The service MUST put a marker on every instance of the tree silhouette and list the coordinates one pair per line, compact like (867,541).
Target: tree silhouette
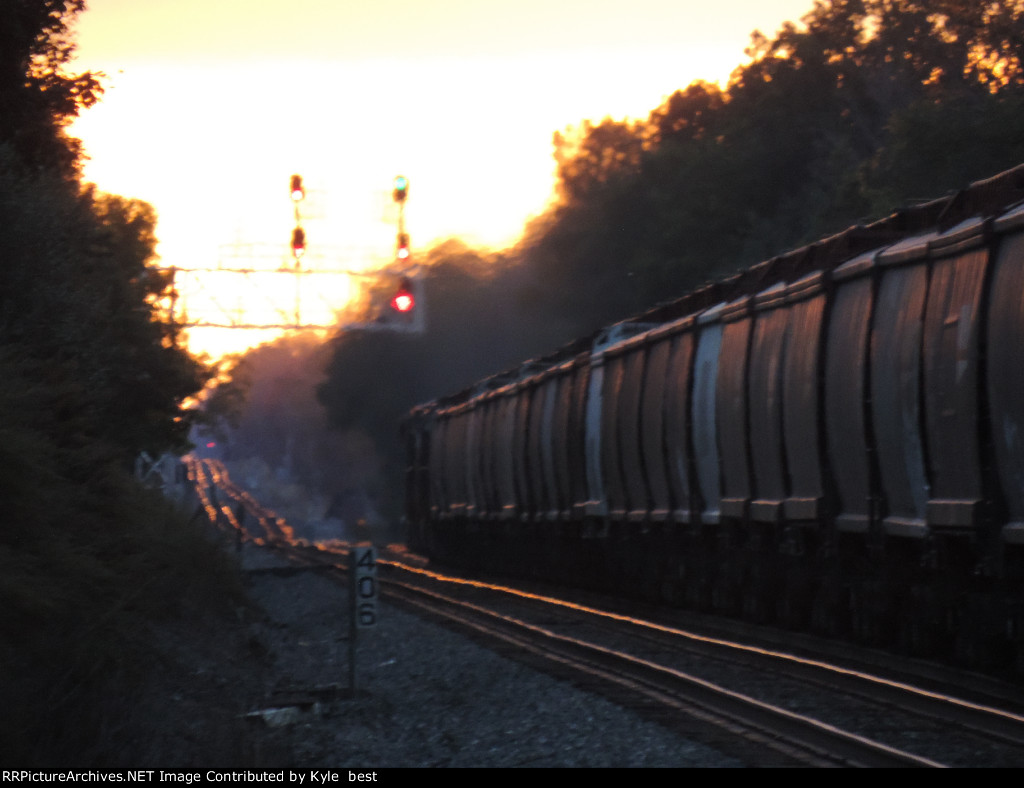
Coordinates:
(38,98)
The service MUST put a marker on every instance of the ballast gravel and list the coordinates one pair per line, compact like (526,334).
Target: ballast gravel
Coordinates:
(426,697)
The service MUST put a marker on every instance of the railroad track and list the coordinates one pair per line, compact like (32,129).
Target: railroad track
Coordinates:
(769,734)
(762,704)
(766,706)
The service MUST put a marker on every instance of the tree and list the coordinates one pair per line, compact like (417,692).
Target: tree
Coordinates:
(89,377)
(592,156)
(934,147)
(77,293)
(814,134)
(686,115)
(38,98)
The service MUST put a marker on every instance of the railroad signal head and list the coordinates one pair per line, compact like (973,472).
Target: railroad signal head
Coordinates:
(298,242)
(402,247)
(401,188)
(403,300)
(297,191)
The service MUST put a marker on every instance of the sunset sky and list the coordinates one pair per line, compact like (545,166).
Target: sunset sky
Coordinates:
(211,106)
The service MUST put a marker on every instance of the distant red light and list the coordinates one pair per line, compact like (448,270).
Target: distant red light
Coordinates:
(403,302)
(210,445)
(298,242)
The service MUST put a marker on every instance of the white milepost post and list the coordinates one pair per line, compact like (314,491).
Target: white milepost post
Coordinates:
(363,600)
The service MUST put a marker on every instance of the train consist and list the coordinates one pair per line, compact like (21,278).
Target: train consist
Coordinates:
(832,440)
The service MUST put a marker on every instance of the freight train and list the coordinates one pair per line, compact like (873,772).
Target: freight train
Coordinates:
(831,440)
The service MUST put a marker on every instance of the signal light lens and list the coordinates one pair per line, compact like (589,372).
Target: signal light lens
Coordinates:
(401,188)
(298,242)
(403,301)
(298,192)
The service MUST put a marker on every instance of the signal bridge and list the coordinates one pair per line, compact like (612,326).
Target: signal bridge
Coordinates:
(254,286)
(250,276)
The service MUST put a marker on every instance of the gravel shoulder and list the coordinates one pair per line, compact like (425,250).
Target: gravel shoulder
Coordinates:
(426,697)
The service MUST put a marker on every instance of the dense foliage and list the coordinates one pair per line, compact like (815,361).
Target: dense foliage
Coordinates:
(864,106)
(38,97)
(89,378)
(76,301)
(77,295)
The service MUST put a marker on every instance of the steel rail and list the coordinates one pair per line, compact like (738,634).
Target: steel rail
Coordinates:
(792,735)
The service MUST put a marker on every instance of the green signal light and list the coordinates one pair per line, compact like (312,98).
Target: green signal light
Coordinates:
(401,188)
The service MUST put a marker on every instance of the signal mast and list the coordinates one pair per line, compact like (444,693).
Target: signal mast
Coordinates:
(407,297)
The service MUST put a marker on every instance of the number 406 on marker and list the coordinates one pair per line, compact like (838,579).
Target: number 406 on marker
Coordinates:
(364,586)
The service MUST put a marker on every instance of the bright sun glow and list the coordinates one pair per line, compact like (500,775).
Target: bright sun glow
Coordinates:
(210,111)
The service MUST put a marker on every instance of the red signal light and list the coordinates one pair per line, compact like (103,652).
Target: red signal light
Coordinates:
(403,300)
(402,248)
(297,191)
(298,242)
